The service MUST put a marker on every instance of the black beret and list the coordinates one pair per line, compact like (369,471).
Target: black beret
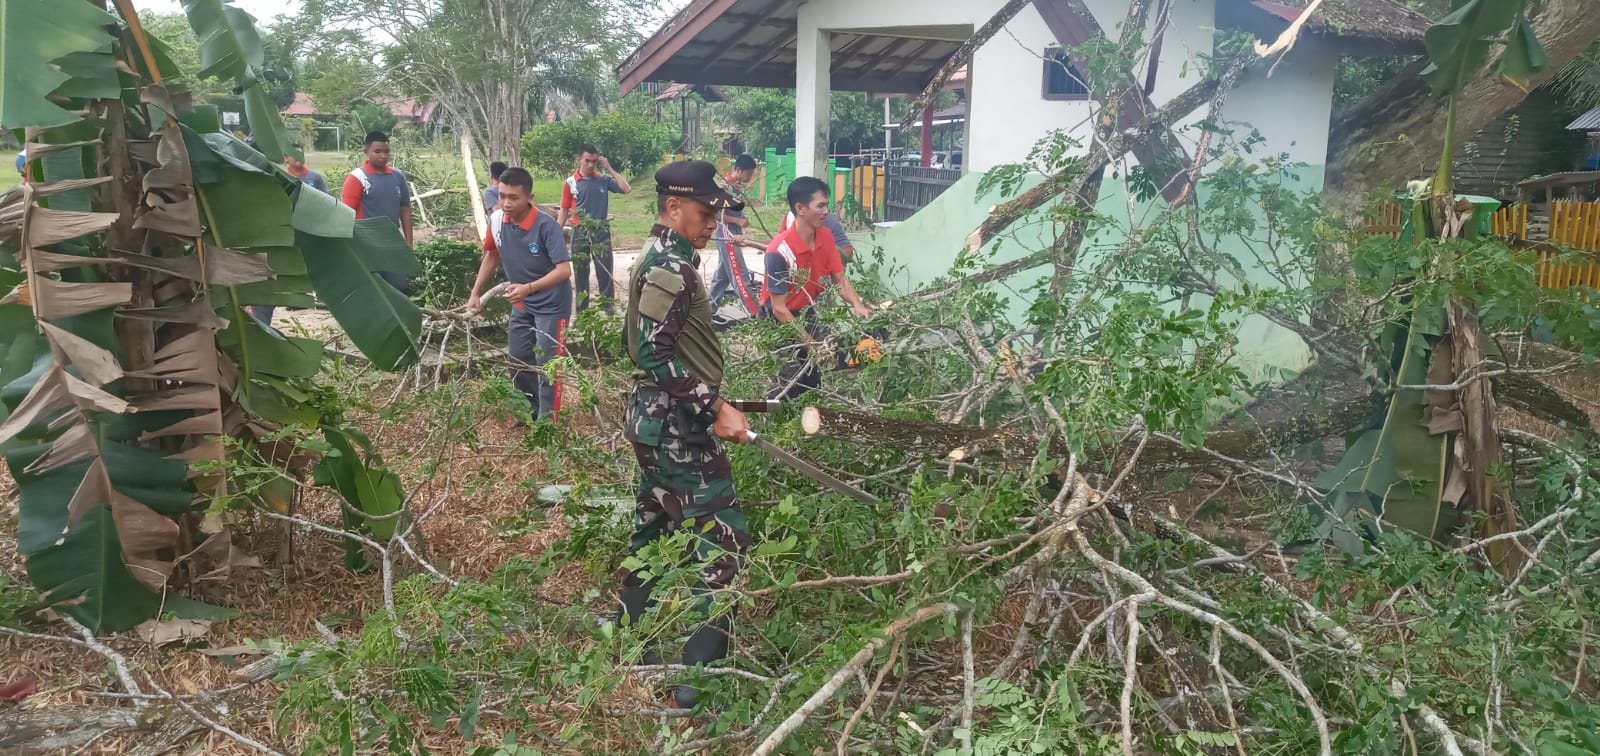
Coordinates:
(695,179)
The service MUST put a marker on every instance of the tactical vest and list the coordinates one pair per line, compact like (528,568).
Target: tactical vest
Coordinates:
(652,291)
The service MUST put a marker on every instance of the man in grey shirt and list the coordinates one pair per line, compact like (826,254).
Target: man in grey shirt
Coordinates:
(491,195)
(375,189)
(586,208)
(531,248)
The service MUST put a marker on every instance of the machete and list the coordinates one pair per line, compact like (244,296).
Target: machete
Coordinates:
(753,405)
(810,471)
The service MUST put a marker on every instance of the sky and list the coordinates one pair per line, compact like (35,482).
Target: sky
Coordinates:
(266,10)
(263,10)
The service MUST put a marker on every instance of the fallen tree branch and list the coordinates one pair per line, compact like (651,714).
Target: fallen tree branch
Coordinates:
(941,439)
(1099,157)
(829,688)
(963,56)
(1135,580)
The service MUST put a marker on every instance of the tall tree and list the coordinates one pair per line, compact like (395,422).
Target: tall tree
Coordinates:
(490,64)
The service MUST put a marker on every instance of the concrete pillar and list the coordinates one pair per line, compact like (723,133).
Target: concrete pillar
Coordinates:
(813,98)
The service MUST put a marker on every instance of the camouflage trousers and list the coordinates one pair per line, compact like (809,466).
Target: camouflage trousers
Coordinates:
(685,481)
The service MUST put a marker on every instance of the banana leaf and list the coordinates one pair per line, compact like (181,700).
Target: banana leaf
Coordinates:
(36,34)
(1459,44)
(352,469)
(380,321)
(86,577)
(1394,473)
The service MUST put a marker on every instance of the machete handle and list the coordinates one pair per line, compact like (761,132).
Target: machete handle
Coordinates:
(753,405)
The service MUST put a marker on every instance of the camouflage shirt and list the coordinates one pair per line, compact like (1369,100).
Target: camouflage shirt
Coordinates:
(668,327)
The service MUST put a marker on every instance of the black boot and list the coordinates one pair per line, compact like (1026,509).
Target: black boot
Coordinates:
(635,602)
(708,644)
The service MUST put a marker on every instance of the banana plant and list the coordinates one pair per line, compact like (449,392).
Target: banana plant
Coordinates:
(1428,465)
(126,352)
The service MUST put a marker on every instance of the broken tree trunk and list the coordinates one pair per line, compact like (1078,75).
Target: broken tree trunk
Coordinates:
(1393,135)
(1152,127)
(962,56)
(964,441)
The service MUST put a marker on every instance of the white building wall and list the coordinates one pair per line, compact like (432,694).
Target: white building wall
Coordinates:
(1007,112)
(1292,108)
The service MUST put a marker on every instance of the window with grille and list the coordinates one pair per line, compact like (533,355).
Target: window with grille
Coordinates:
(1062,80)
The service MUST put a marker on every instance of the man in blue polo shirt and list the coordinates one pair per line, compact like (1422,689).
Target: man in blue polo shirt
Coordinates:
(294,161)
(533,251)
(586,207)
(375,189)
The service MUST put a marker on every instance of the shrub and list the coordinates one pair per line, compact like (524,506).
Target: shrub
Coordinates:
(627,136)
(448,268)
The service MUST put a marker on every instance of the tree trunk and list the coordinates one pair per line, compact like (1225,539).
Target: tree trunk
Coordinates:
(964,441)
(1394,135)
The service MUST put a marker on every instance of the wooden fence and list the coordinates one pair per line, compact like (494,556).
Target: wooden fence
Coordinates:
(1385,220)
(1511,222)
(1573,226)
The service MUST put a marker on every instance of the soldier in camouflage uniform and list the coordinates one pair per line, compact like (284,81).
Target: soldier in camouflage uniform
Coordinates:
(675,415)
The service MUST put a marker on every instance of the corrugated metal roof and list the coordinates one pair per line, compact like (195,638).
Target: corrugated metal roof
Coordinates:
(1589,121)
(1370,19)
(752,42)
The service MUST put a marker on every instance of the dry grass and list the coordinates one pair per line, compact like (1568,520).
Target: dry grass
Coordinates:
(286,602)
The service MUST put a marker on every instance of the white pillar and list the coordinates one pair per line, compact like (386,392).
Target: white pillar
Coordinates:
(812,98)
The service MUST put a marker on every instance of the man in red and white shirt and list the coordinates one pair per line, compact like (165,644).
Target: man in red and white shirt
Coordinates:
(798,263)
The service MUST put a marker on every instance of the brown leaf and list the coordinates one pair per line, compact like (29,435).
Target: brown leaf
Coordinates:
(208,424)
(224,267)
(94,491)
(172,171)
(179,218)
(197,313)
(45,226)
(20,294)
(190,358)
(161,633)
(98,366)
(48,262)
(76,445)
(52,188)
(206,450)
(1442,422)
(37,150)
(89,398)
(55,300)
(145,535)
(47,397)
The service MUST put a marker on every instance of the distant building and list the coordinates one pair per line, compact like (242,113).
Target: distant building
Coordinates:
(407,110)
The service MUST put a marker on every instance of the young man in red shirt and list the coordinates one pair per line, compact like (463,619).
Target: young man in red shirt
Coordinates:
(797,264)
